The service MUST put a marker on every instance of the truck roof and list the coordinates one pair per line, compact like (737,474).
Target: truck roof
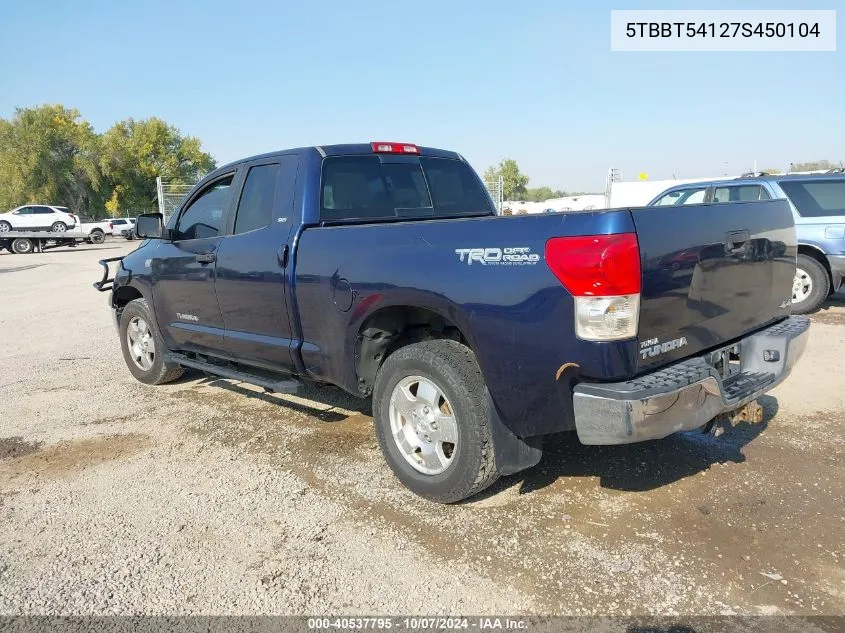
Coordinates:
(344,149)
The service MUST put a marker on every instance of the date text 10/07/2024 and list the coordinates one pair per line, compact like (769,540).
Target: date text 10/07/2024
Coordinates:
(418,623)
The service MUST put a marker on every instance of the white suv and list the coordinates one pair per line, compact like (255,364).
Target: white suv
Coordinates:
(35,217)
(121,225)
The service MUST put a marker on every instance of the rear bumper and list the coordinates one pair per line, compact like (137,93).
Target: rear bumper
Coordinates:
(689,394)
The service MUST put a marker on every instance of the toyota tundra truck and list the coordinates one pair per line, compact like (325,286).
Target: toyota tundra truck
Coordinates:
(383,269)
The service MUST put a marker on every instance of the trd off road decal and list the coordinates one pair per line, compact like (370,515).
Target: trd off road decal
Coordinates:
(493,256)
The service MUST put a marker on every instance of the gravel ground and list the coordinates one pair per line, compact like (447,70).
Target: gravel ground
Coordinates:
(210,497)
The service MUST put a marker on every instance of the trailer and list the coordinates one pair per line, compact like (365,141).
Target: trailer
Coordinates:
(25,242)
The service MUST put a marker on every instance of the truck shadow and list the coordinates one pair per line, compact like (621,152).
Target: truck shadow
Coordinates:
(637,467)
(632,467)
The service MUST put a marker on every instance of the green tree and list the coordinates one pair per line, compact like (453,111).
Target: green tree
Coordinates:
(48,154)
(813,165)
(514,182)
(541,194)
(133,153)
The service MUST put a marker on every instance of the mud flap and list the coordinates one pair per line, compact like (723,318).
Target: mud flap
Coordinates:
(512,453)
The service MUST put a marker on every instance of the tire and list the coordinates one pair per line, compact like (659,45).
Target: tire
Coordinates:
(453,371)
(149,370)
(97,237)
(5,227)
(22,246)
(811,285)
(58,227)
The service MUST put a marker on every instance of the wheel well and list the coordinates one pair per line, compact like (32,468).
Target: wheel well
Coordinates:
(388,329)
(123,295)
(812,251)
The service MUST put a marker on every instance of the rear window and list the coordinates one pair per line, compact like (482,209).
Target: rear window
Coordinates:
(378,187)
(816,198)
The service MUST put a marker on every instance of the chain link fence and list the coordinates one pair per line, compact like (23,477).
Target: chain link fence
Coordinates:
(170,196)
(497,193)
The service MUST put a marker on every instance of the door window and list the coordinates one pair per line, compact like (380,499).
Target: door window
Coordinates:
(43,210)
(255,209)
(25,211)
(740,193)
(683,196)
(201,219)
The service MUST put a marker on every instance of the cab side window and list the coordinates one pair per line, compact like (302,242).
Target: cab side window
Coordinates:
(255,208)
(201,219)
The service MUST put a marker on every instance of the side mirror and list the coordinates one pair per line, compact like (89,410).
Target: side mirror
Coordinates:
(150,226)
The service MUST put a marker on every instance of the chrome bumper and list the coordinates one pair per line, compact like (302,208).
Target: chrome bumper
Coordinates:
(689,394)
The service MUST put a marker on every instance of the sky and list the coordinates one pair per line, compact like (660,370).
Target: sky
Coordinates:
(533,80)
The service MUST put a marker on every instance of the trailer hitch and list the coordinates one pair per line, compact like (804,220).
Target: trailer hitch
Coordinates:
(751,413)
(106,283)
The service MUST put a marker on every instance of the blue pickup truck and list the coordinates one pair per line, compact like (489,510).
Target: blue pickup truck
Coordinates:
(383,269)
(818,207)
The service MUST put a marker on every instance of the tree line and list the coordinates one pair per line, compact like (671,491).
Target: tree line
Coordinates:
(515,183)
(49,154)
(813,165)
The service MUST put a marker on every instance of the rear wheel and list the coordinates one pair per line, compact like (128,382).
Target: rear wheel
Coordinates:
(22,246)
(142,346)
(810,286)
(5,227)
(97,237)
(432,423)
(58,227)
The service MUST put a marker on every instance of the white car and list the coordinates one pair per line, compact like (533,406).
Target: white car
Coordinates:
(121,225)
(37,217)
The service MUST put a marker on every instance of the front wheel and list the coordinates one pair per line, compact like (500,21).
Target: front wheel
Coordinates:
(432,423)
(142,346)
(58,227)
(810,286)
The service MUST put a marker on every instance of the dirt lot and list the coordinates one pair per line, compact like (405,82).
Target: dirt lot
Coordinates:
(207,496)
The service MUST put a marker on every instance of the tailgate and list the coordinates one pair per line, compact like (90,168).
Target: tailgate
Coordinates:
(711,274)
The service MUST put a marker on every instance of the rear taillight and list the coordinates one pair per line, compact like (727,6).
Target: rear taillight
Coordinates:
(602,272)
(394,148)
(111,226)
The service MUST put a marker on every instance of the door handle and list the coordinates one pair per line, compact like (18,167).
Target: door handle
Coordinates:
(283,256)
(206,258)
(737,241)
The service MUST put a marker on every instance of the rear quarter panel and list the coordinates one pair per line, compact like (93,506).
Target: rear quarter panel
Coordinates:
(517,317)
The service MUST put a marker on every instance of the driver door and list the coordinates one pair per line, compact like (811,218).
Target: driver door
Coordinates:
(184,271)
(25,218)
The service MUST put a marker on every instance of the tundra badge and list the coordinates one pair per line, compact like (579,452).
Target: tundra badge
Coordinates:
(653,347)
